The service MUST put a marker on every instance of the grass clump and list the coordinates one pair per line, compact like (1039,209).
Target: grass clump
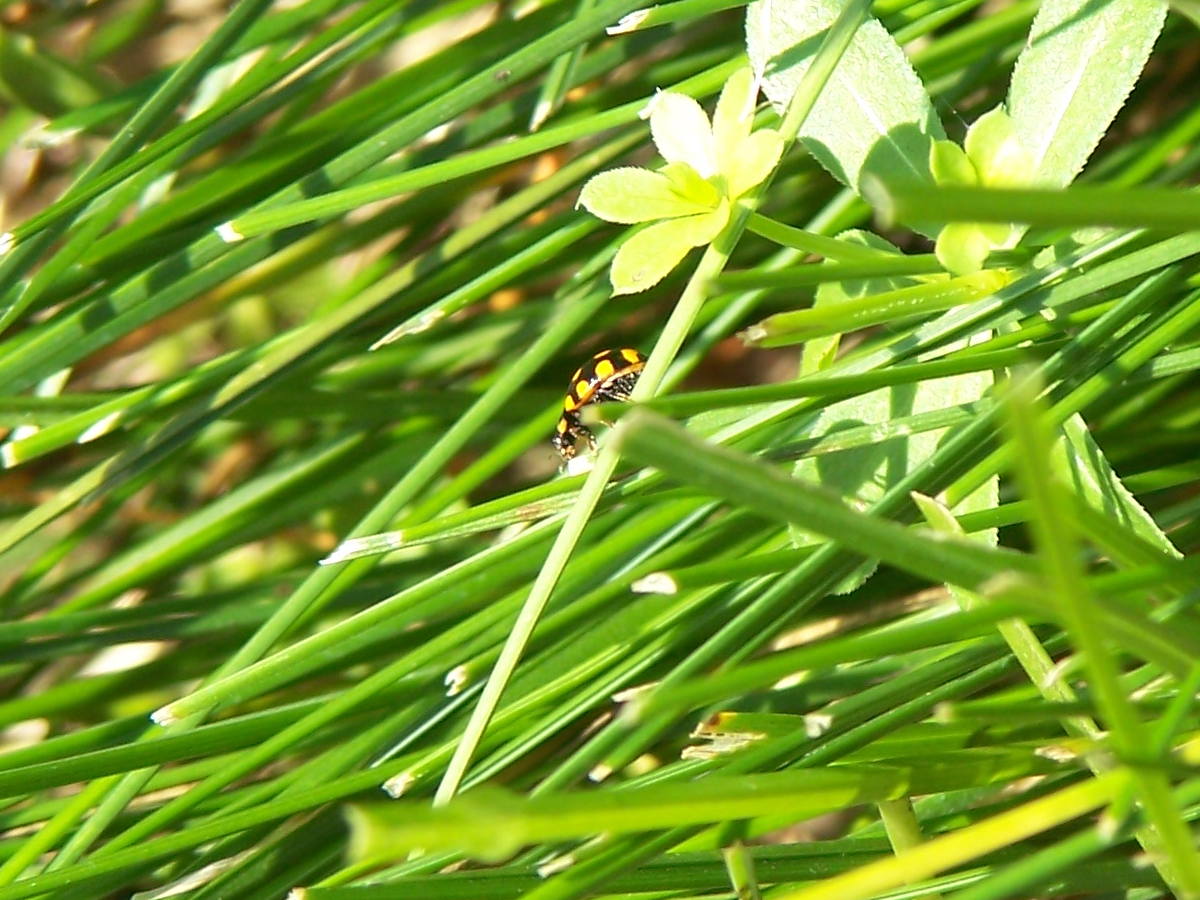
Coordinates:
(884,584)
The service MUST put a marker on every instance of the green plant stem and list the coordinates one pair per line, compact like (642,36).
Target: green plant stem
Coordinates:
(903,830)
(862,312)
(811,242)
(572,529)
(901,825)
(739,863)
(195,706)
(275,218)
(665,349)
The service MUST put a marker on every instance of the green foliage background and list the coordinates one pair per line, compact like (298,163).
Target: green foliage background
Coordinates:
(757,676)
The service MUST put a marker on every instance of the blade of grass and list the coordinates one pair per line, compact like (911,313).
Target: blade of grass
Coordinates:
(1054,535)
(665,349)
(149,117)
(966,844)
(1127,207)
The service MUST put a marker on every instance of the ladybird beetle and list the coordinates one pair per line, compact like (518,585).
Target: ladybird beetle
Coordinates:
(609,375)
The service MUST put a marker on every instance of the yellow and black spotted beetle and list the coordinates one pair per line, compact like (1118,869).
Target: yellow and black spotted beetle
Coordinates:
(609,375)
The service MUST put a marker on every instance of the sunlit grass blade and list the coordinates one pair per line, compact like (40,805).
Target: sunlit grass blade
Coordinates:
(967,843)
(1158,208)
(665,349)
(795,327)
(491,825)
(1055,536)
(654,441)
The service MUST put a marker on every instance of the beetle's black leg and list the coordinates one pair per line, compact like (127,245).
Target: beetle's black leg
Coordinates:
(586,434)
(565,434)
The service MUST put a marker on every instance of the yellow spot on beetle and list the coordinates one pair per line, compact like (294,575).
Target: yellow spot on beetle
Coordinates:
(569,403)
(605,368)
(582,388)
(630,355)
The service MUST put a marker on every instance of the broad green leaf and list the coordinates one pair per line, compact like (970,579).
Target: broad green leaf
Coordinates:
(754,484)
(630,195)
(648,256)
(867,473)
(874,116)
(1078,67)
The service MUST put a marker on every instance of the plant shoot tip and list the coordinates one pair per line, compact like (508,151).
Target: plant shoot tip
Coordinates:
(99,428)
(456,680)
(655,583)
(599,773)
(396,786)
(229,234)
(1058,753)
(816,724)
(579,465)
(752,335)
(541,112)
(555,865)
(628,22)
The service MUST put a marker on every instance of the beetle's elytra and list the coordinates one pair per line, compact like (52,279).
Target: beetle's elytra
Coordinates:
(609,375)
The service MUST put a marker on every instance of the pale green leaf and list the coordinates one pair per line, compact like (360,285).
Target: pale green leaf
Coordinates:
(650,254)
(996,152)
(963,246)
(734,116)
(630,195)
(874,116)
(682,133)
(1081,463)
(756,159)
(1082,60)
(867,473)
(950,165)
